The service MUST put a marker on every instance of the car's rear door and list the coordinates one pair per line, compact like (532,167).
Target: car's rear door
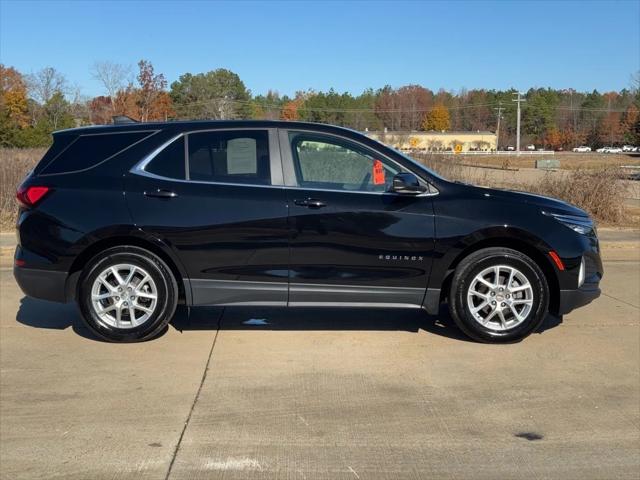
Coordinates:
(351,241)
(216,198)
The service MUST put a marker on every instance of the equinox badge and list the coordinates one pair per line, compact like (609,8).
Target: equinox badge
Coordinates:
(408,258)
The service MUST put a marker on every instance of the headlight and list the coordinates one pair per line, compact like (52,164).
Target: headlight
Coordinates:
(582,225)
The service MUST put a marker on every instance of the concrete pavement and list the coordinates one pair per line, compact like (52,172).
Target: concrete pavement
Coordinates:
(271,393)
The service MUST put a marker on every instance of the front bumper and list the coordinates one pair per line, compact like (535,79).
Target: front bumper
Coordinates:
(572,296)
(572,299)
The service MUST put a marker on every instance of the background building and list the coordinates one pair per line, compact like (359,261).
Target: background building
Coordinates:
(437,141)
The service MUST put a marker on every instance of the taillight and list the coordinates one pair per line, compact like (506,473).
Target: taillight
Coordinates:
(31,195)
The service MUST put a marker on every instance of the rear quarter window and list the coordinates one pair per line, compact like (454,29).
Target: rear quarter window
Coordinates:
(87,151)
(169,162)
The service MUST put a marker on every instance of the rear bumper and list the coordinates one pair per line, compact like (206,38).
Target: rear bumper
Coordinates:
(572,299)
(44,284)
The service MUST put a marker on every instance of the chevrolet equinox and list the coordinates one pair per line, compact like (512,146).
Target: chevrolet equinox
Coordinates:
(129,220)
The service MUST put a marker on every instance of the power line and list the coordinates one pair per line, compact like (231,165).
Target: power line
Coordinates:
(214,102)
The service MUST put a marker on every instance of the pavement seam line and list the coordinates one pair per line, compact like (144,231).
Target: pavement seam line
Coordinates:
(195,400)
(620,300)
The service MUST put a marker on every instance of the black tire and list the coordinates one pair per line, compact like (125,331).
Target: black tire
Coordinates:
(167,293)
(475,263)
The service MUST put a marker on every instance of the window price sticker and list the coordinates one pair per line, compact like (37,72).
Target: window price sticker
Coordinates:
(378,173)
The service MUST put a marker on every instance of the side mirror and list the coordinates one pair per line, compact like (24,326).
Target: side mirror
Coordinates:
(407,184)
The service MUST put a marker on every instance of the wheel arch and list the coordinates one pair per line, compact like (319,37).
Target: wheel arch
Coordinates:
(155,247)
(514,243)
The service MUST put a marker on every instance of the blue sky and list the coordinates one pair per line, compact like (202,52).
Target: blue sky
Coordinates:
(289,46)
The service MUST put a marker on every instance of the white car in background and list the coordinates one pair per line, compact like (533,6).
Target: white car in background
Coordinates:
(531,147)
(582,149)
(629,148)
(609,150)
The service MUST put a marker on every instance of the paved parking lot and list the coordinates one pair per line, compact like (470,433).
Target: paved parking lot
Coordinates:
(246,393)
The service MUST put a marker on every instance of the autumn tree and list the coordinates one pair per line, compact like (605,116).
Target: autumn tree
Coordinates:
(14,114)
(152,104)
(403,108)
(162,108)
(290,110)
(553,138)
(146,100)
(13,96)
(100,110)
(437,119)
(126,103)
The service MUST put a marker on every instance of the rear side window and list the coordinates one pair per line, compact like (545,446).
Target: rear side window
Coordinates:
(170,161)
(90,150)
(239,156)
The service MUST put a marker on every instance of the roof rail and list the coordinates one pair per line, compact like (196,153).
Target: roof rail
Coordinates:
(122,119)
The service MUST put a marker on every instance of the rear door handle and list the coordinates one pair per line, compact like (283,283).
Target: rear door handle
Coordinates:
(161,193)
(310,203)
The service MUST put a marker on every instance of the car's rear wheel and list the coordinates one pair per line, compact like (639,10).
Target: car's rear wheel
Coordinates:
(127,294)
(498,295)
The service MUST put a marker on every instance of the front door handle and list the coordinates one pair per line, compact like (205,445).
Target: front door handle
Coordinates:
(310,203)
(161,193)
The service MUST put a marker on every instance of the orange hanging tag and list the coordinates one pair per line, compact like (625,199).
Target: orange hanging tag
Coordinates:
(378,173)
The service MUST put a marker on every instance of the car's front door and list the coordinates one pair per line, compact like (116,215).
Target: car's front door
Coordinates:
(351,240)
(216,198)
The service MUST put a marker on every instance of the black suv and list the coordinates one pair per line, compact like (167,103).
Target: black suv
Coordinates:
(130,220)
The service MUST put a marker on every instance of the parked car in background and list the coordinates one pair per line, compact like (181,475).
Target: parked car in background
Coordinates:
(531,147)
(510,148)
(609,150)
(627,148)
(582,149)
(130,220)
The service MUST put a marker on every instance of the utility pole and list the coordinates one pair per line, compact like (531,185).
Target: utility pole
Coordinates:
(519,100)
(608,123)
(499,109)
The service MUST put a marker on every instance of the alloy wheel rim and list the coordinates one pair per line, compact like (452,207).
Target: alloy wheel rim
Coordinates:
(124,296)
(500,297)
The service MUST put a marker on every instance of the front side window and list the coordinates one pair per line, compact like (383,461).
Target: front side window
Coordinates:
(331,163)
(230,157)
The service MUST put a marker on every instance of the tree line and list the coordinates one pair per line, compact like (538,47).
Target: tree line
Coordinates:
(34,105)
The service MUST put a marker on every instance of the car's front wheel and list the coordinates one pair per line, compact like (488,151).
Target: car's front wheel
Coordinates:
(127,294)
(498,295)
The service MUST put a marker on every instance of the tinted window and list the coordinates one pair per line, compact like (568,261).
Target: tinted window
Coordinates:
(60,142)
(90,150)
(323,162)
(230,157)
(170,161)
